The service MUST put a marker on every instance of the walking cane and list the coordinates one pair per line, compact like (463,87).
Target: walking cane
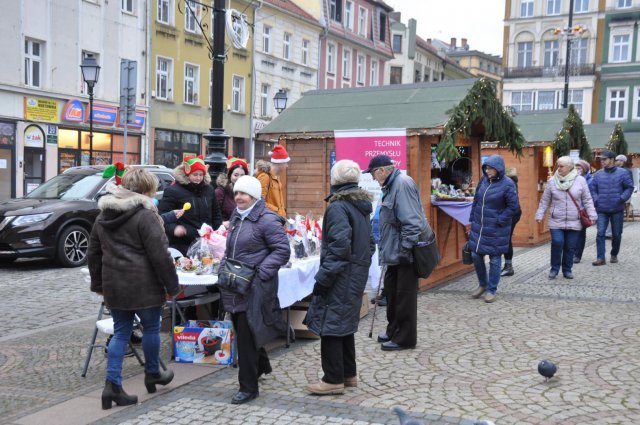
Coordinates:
(375,305)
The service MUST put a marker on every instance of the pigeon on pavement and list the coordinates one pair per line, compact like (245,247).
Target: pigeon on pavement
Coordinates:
(406,419)
(547,369)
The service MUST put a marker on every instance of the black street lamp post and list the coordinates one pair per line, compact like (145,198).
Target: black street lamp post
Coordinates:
(90,73)
(565,99)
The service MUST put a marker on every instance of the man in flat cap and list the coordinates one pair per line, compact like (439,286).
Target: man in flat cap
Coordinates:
(402,224)
(611,188)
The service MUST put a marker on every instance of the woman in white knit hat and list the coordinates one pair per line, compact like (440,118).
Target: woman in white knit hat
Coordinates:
(256,237)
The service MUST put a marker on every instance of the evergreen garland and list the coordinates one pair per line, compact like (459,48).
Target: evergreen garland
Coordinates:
(617,143)
(480,106)
(572,136)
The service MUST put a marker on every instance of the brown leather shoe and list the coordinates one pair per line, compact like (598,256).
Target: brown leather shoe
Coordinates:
(614,259)
(351,381)
(599,262)
(478,292)
(324,388)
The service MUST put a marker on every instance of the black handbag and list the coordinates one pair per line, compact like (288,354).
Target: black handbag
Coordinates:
(425,257)
(466,254)
(236,276)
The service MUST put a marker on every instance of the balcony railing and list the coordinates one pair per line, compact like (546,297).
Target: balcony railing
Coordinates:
(550,71)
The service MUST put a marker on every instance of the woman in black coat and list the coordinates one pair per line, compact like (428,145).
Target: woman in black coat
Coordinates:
(347,247)
(256,237)
(193,185)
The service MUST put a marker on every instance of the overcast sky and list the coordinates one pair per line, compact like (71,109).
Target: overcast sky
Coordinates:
(479,21)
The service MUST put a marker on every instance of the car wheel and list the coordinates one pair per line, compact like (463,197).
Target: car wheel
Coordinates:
(73,245)
(6,261)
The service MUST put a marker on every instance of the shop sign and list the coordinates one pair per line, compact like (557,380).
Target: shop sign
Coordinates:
(138,123)
(52,134)
(34,137)
(259,125)
(104,114)
(73,111)
(36,109)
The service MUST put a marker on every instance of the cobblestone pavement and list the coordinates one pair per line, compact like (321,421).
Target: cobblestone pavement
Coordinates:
(473,360)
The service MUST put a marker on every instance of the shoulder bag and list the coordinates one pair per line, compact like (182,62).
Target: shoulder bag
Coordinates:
(236,275)
(584,215)
(425,257)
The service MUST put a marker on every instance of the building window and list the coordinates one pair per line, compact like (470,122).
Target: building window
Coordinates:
(305,52)
(360,69)
(553,7)
(362,21)
(525,54)
(191,84)
(335,10)
(237,94)
(550,53)
(616,109)
(575,99)
(526,8)
(172,146)
(581,6)
(522,100)
(33,63)
(546,100)
(264,100)
(395,75)
(191,13)
(266,39)
(165,11)
(164,79)
(346,64)
(374,72)
(383,27)
(397,43)
(636,104)
(620,44)
(127,6)
(579,51)
(623,4)
(348,14)
(331,58)
(286,46)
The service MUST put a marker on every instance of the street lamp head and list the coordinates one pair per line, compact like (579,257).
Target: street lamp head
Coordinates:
(280,100)
(90,70)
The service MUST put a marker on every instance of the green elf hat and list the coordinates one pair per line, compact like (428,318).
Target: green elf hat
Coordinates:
(194,163)
(117,170)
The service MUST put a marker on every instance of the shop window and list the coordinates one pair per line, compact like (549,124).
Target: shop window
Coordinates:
(67,139)
(395,75)
(172,146)
(453,175)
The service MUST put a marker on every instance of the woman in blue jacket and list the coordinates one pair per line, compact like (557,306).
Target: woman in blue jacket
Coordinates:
(494,205)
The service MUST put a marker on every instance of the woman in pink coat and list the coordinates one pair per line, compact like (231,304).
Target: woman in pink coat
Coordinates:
(564,215)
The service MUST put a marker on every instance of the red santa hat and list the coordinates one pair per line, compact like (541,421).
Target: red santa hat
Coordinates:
(279,155)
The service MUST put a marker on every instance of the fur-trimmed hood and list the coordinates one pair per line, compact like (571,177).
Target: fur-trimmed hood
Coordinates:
(264,166)
(120,204)
(183,179)
(222,180)
(353,194)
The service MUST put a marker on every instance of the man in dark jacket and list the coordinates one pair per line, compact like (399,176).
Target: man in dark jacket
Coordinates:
(402,225)
(610,188)
(334,312)
(494,206)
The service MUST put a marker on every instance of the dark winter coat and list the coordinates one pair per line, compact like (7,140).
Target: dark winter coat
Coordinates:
(224,196)
(204,208)
(610,189)
(345,258)
(259,240)
(128,253)
(402,219)
(494,205)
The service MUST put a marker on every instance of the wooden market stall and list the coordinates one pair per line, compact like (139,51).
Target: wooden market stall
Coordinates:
(443,121)
(539,129)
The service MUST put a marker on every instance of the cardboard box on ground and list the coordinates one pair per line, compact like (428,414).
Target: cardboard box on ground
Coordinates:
(204,341)
(299,311)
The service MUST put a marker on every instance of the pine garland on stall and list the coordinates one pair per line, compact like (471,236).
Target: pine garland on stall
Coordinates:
(480,106)
(572,136)
(617,143)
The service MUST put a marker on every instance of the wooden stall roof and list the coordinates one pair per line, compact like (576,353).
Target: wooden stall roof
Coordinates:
(410,106)
(598,136)
(540,126)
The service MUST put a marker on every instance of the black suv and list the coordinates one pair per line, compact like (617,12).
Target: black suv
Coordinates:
(55,220)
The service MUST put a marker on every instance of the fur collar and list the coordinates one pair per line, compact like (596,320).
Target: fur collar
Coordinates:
(351,195)
(121,199)
(183,179)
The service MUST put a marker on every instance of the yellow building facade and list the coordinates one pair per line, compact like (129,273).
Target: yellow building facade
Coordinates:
(181,81)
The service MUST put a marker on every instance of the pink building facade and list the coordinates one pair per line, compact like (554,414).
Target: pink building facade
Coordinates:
(357,43)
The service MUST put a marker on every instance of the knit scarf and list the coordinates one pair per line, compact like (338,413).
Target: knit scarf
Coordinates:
(564,183)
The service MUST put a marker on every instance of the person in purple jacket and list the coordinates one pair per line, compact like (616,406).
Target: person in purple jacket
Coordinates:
(236,168)
(564,214)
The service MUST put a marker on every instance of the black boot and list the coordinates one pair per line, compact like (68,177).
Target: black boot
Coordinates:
(507,270)
(115,393)
(153,379)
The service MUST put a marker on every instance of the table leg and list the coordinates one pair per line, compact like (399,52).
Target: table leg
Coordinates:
(288,326)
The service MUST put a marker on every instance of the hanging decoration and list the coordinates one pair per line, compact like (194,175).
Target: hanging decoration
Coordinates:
(481,106)
(572,136)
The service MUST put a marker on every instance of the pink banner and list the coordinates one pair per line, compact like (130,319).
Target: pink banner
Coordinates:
(362,145)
